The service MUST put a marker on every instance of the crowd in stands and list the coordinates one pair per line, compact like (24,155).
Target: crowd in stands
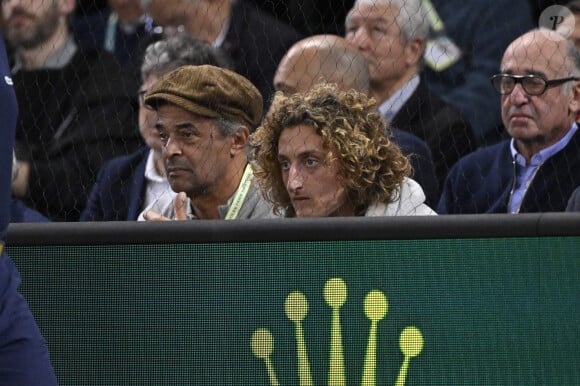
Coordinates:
(95,143)
(158,110)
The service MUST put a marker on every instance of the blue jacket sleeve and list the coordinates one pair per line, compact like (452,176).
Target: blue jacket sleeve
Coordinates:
(24,358)
(8,115)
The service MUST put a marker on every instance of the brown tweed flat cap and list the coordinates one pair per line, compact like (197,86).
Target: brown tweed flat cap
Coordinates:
(209,91)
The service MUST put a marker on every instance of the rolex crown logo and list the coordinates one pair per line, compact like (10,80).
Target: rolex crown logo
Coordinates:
(335,295)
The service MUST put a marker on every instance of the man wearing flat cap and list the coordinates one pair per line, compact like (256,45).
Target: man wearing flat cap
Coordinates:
(204,117)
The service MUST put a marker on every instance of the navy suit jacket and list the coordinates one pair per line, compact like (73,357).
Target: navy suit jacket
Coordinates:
(442,126)
(19,212)
(482,181)
(421,161)
(119,189)
(24,357)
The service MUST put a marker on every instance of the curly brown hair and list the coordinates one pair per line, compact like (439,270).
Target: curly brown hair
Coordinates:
(371,165)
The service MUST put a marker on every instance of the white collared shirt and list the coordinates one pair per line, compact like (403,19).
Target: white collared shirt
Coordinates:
(525,172)
(391,106)
(157,185)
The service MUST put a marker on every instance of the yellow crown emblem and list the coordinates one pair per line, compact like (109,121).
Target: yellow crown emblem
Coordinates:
(335,294)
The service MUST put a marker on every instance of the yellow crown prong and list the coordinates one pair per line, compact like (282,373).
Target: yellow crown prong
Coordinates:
(296,306)
(262,343)
(335,292)
(375,305)
(411,344)
(411,341)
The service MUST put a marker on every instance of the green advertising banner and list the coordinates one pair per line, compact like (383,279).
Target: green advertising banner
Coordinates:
(490,311)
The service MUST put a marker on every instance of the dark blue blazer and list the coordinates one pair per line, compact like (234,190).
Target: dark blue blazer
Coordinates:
(24,358)
(481,182)
(442,126)
(20,212)
(119,189)
(421,161)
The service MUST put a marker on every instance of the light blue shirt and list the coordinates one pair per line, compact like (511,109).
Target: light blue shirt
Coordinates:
(391,106)
(525,172)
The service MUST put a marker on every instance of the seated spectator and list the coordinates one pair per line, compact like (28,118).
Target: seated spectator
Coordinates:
(254,39)
(128,184)
(465,49)
(24,356)
(204,118)
(75,112)
(391,34)
(539,167)
(325,154)
(332,59)
(19,212)
(121,28)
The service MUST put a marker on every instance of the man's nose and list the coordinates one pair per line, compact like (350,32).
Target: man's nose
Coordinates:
(172,147)
(518,95)
(360,38)
(295,180)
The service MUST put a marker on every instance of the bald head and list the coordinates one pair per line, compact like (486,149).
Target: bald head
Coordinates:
(322,58)
(543,51)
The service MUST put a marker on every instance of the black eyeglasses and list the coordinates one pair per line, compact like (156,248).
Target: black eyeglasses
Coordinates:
(532,84)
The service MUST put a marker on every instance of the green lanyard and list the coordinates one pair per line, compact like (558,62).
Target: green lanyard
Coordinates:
(241,194)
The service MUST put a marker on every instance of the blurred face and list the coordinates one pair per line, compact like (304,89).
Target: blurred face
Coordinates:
(313,182)
(298,71)
(374,31)
(148,117)
(169,13)
(196,155)
(129,11)
(30,23)
(538,121)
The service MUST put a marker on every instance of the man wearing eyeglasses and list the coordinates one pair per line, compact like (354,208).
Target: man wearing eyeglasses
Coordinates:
(539,167)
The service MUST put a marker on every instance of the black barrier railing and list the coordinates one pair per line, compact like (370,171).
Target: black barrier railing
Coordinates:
(321,229)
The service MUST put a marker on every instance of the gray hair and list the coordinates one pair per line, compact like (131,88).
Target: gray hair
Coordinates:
(179,50)
(573,57)
(228,127)
(412,17)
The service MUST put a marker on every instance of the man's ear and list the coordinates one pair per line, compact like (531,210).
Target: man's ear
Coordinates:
(575,101)
(240,141)
(414,51)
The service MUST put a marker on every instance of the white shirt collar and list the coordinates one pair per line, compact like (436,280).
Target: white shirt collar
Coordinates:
(391,106)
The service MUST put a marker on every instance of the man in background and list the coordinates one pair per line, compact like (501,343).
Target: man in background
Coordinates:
(325,153)
(392,34)
(204,117)
(539,167)
(330,58)
(252,38)
(75,109)
(128,184)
